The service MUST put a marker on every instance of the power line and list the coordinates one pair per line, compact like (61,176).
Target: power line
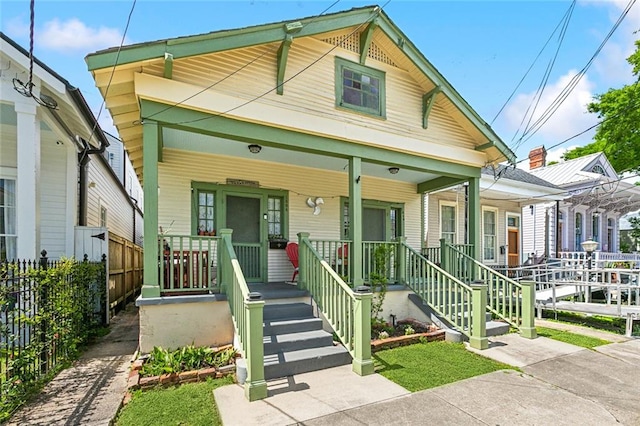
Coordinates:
(374,14)
(113,70)
(236,71)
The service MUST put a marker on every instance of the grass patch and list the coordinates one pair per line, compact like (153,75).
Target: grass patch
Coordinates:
(572,338)
(424,366)
(613,325)
(190,404)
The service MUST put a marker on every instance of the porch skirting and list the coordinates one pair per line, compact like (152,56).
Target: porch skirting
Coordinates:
(177,321)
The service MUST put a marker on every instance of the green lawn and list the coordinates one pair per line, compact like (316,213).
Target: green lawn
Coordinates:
(190,404)
(572,338)
(424,366)
(613,325)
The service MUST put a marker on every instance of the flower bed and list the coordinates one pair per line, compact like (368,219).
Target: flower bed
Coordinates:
(405,332)
(185,365)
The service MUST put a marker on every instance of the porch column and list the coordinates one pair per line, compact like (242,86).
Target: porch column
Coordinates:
(28,158)
(474,217)
(355,220)
(151,285)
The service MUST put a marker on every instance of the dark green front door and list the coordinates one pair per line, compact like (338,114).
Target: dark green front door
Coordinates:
(244,216)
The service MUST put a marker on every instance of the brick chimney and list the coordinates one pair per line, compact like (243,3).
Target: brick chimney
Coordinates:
(537,158)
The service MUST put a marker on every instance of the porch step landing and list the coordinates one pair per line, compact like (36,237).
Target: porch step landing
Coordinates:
(295,343)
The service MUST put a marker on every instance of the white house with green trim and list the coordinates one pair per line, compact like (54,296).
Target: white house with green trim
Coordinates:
(324,131)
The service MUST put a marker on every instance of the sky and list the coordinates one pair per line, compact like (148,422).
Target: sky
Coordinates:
(483,48)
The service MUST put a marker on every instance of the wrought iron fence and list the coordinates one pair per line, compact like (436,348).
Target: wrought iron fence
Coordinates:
(48,309)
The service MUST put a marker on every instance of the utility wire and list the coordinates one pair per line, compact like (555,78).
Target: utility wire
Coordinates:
(375,13)
(236,71)
(530,67)
(113,70)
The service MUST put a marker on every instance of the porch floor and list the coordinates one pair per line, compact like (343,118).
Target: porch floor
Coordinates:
(277,290)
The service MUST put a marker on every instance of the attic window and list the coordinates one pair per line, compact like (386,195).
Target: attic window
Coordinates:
(598,169)
(360,88)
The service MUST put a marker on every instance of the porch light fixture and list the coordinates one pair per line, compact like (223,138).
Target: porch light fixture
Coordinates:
(394,170)
(255,148)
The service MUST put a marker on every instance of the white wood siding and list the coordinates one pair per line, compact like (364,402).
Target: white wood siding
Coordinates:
(313,88)
(180,168)
(107,192)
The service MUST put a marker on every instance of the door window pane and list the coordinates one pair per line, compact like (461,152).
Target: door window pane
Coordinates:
(448,223)
(489,234)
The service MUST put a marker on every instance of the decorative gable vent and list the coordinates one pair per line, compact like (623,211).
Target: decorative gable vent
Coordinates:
(351,42)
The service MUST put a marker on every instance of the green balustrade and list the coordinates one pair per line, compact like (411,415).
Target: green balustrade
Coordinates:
(347,311)
(189,264)
(247,313)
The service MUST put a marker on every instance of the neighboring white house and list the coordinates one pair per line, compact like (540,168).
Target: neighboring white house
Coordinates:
(55,177)
(504,193)
(596,200)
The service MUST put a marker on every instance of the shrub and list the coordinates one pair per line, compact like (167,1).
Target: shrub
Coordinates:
(163,361)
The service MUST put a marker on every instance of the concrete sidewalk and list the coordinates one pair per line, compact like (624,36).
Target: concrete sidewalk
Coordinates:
(91,391)
(559,384)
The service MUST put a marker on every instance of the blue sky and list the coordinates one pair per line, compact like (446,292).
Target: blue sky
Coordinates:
(482,47)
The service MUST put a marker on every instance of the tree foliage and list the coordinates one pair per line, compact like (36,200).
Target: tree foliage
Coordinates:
(634,221)
(618,136)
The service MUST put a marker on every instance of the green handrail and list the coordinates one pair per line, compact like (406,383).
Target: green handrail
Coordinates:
(347,311)
(508,299)
(247,313)
(449,297)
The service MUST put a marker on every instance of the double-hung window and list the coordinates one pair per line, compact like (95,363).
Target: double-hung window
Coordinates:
(275,207)
(206,212)
(489,234)
(360,88)
(8,236)
(448,222)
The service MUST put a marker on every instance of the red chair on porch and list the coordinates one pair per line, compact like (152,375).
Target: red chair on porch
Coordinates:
(292,254)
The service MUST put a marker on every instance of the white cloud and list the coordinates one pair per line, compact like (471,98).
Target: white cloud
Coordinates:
(569,119)
(74,35)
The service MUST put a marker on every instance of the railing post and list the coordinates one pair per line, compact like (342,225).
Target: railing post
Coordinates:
(444,256)
(528,328)
(478,338)
(362,363)
(255,387)
(225,235)
(401,275)
(303,262)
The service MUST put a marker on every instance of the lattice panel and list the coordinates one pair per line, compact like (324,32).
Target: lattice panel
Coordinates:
(351,42)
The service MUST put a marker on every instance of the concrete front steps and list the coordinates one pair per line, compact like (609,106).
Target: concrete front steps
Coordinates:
(494,328)
(295,343)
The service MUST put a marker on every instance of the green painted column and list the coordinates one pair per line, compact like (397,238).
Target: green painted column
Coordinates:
(474,217)
(255,387)
(528,328)
(355,220)
(150,284)
(478,338)
(401,259)
(303,271)
(225,274)
(362,363)
(444,256)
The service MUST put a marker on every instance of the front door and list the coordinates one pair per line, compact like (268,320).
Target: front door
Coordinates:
(514,248)
(244,216)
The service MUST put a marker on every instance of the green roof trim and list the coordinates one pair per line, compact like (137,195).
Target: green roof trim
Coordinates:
(275,33)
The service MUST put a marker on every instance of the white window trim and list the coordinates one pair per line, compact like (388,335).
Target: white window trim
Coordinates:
(495,248)
(506,234)
(102,205)
(11,173)
(453,204)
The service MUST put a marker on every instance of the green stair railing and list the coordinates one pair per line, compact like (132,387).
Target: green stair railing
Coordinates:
(462,305)
(247,313)
(512,301)
(347,311)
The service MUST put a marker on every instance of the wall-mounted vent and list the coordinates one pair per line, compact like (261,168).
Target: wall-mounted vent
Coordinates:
(351,42)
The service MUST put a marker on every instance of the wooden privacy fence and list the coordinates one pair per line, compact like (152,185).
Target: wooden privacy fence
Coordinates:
(125,272)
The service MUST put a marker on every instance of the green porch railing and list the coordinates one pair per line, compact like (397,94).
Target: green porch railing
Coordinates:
(432,254)
(347,311)
(336,254)
(462,305)
(508,299)
(247,313)
(189,264)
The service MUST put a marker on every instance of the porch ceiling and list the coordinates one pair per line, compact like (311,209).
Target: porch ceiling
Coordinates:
(196,142)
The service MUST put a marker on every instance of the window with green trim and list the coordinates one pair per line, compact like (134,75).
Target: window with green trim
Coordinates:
(360,88)
(206,213)
(393,222)
(275,210)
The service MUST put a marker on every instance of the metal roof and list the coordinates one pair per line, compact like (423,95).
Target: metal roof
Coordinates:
(505,172)
(574,171)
